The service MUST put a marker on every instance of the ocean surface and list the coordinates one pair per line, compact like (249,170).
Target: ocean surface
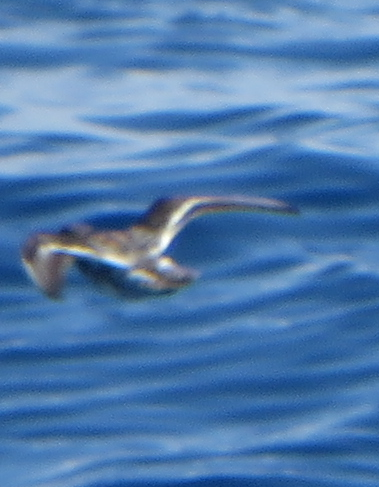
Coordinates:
(265,371)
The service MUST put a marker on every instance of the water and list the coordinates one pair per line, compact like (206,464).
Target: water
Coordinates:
(265,371)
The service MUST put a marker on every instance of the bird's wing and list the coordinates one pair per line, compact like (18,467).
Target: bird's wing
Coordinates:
(46,258)
(167,217)
(46,262)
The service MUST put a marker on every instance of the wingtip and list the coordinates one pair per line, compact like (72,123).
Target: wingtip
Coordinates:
(276,205)
(291,209)
(45,267)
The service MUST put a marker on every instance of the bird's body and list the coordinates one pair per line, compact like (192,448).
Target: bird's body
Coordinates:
(131,261)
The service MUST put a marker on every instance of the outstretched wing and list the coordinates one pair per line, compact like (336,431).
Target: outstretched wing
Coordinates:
(46,258)
(167,217)
(46,263)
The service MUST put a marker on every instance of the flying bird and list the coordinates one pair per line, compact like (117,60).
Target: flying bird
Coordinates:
(132,262)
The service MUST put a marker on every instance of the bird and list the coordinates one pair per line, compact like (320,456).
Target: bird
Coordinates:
(132,262)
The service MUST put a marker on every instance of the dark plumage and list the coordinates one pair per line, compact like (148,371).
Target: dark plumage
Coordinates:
(131,261)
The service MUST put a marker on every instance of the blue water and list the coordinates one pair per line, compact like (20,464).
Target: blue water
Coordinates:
(263,373)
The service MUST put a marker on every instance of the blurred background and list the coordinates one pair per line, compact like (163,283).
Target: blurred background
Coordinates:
(263,373)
